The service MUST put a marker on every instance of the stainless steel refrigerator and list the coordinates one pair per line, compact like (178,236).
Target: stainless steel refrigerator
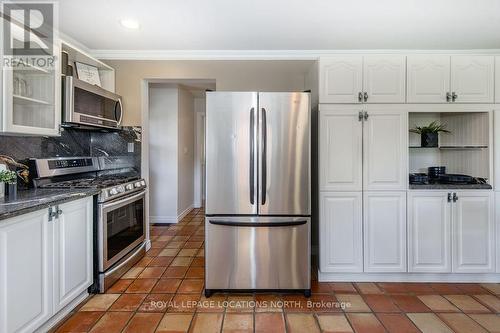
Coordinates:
(258,191)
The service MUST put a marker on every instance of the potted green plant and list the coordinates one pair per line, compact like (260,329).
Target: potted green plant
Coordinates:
(7,181)
(429,134)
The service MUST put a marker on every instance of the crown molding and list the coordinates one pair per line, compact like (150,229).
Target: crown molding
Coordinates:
(259,54)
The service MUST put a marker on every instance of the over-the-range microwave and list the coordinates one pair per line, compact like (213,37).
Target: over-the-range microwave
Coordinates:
(85,104)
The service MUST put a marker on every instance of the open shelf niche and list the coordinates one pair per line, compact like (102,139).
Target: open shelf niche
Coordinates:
(466,150)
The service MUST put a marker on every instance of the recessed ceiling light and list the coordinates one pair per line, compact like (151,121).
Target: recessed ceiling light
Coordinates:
(129,23)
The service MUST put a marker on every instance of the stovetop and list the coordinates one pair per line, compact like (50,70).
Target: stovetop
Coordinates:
(99,182)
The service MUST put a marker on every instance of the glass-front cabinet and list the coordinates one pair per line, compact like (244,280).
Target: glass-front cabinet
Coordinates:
(31,89)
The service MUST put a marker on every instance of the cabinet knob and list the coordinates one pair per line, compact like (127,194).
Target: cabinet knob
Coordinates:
(365,115)
(455,197)
(449,197)
(365,95)
(360,97)
(454,96)
(448,97)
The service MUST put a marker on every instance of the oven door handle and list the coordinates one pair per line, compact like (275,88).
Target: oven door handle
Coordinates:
(122,201)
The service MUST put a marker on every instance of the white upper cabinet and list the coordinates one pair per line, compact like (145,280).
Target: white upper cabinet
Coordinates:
(384,79)
(384,230)
(341,79)
(497,80)
(340,142)
(429,232)
(473,232)
(472,79)
(385,149)
(341,232)
(428,78)
(73,251)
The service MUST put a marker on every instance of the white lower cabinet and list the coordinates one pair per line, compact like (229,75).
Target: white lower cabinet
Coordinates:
(341,234)
(451,232)
(473,233)
(384,231)
(44,264)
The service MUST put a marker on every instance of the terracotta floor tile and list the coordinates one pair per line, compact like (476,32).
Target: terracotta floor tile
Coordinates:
(355,303)
(320,287)
(112,322)
(445,288)
(80,322)
(397,323)
(156,303)
(120,286)
(196,238)
(301,322)
(342,287)
(100,302)
(491,322)
(193,245)
(175,272)
(492,287)
(200,253)
(175,323)
(269,323)
(161,261)
(158,244)
(206,323)
(144,262)
(198,262)
(174,245)
(394,288)
(184,303)
(461,323)
(381,303)
(491,301)
(466,303)
(429,323)
(324,303)
(268,303)
(295,303)
(143,323)
(151,272)
(438,303)
(365,323)
(166,286)
(133,273)
(141,286)
(240,303)
(168,252)
(181,261)
(153,252)
(128,302)
(191,286)
(238,323)
(408,303)
(196,272)
(214,303)
(368,288)
(187,252)
(334,323)
(165,238)
(180,238)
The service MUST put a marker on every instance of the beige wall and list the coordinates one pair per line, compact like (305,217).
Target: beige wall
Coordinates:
(237,75)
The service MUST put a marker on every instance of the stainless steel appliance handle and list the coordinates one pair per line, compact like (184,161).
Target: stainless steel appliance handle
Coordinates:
(252,152)
(257,224)
(121,112)
(122,201)
(264,156)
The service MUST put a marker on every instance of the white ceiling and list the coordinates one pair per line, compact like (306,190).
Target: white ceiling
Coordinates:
(283,24)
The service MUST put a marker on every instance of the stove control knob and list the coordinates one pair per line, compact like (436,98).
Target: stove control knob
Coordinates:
(121,189)
(137,184)
(113,191)
(129,187)
(143,182)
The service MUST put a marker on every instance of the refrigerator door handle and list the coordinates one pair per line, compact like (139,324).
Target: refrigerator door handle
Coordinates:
(252,153)
(264,156)
(258,224)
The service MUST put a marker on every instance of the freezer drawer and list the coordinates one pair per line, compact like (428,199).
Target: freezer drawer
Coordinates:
(257,253)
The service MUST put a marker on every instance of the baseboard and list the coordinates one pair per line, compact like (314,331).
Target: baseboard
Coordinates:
(162,219)
(184,213)
(409,277)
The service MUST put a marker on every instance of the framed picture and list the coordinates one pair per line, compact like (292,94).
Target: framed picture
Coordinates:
(87,73)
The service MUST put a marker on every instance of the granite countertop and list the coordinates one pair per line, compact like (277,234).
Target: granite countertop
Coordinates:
(35,199)
(450,187)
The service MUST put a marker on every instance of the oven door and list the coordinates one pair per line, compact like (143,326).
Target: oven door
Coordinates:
(122,227)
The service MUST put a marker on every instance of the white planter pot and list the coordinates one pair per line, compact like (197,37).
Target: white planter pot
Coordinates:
(2,190)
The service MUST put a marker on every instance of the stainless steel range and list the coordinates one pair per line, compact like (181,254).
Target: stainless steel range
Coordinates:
(120,224)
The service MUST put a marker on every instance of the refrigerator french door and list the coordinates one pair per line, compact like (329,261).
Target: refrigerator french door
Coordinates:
(257,191)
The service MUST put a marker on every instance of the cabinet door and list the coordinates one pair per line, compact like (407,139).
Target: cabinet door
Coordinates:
(73,251)
(497,80)
(384,230)
(473,233)
(341,79)
(25,272)
(473,78)
(341,147)
(32,95)
(428,78)
(384,79)
(385,149)
(341,239)
(429,232)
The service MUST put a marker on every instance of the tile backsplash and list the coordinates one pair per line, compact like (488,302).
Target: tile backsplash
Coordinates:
(75,142)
